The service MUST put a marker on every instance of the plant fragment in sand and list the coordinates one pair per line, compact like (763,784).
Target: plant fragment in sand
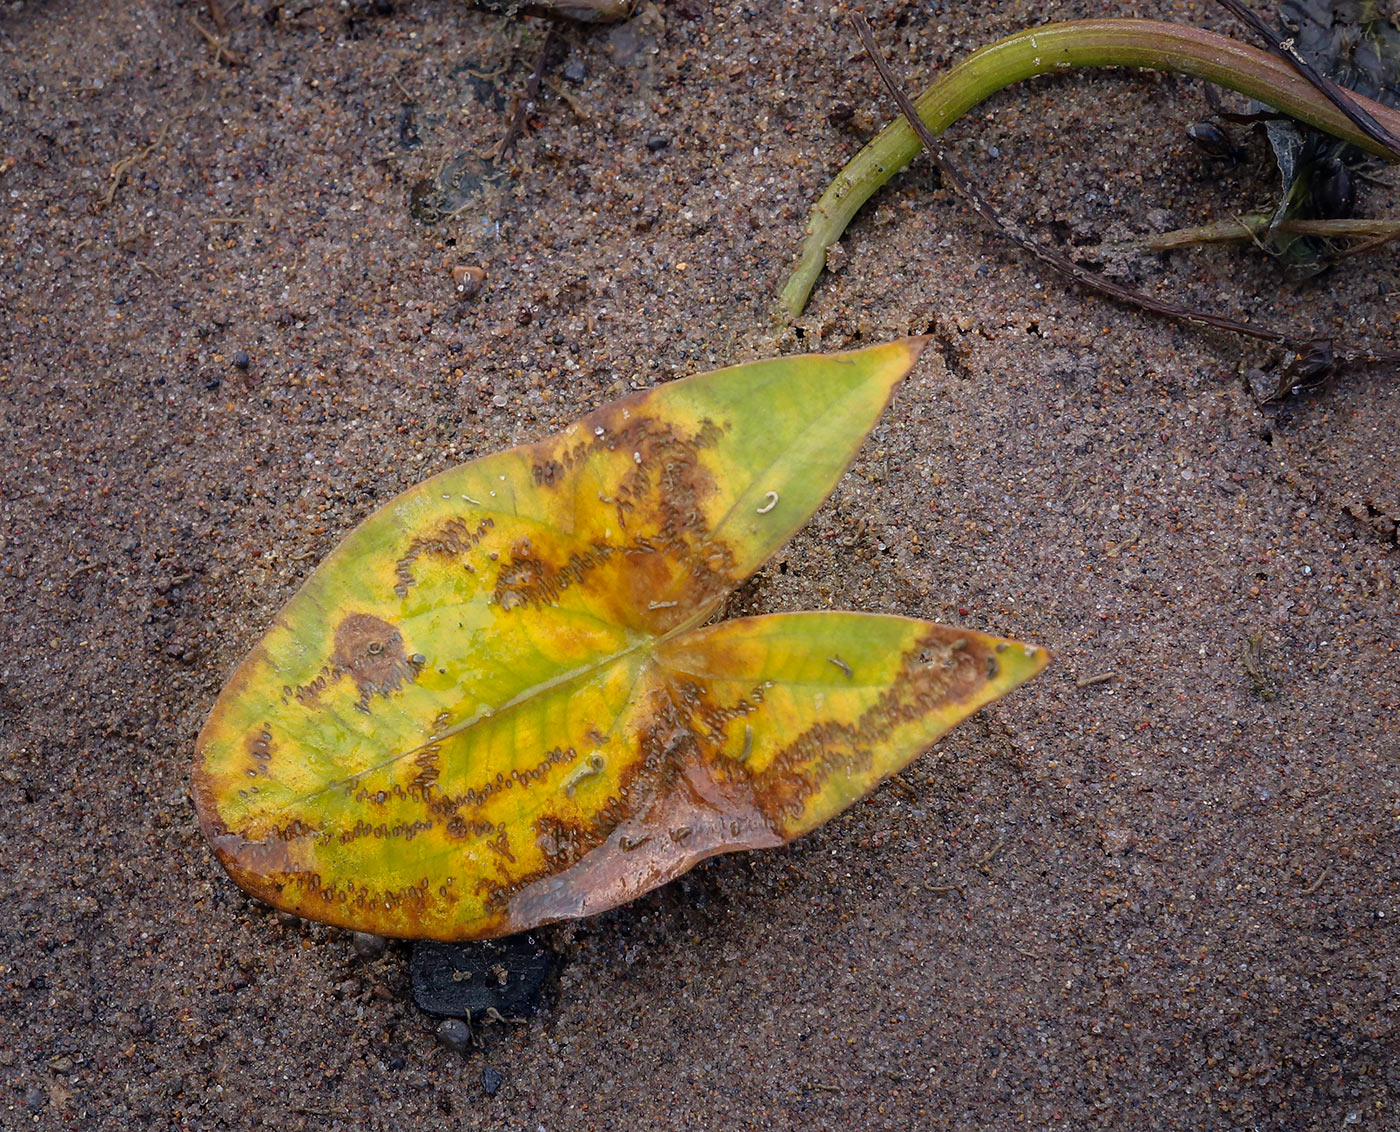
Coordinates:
(496,703)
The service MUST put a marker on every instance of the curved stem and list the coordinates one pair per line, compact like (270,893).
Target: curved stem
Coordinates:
(1058,47)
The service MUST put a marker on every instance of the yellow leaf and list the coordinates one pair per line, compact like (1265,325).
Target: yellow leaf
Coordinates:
(490,707)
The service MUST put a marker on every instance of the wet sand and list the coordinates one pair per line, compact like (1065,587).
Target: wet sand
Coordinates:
(1166,899)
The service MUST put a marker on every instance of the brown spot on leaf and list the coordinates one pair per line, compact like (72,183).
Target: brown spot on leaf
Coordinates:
(258,745)
(370,652)
(528,579)
(445,806)
(452,540)
(659,501)
(932,671)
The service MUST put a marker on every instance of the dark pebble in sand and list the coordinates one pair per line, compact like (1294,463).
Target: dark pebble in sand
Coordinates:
(491,1081)
(454,1034)
(35,1098)
(241,359)
(367,945)
(452,980)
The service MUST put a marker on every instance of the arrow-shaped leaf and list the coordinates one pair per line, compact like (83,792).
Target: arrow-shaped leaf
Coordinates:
(490,707)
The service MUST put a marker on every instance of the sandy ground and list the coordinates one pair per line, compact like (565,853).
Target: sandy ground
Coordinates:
(1166,900)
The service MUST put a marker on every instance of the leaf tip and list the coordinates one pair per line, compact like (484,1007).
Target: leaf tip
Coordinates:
(1015,662)
(903,353)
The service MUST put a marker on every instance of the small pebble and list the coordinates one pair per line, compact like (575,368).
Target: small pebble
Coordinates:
(491,1081)
(575,71)
(658,142)
(241,359)
(468,278)
(367,945)
(454,1034)
(1211,138)
(35,1098)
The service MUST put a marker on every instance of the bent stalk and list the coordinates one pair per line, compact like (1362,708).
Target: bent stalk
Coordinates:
(1058,47)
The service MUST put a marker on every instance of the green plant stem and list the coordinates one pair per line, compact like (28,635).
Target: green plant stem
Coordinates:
(1059,47)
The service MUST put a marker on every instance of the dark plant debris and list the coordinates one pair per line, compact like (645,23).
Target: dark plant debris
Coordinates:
(1340,46)
(504,978)
(1252,654)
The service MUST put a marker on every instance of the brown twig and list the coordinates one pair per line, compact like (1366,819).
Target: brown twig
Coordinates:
(216,13)
(574,104)
(1315,364)
(904,788)
(523,106)
(1017,235)
(222,52)
(1338,96)
(1315,361)
(121,168)
(1367,234)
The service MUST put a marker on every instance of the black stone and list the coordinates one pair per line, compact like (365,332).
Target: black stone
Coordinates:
(1212,139)
(454,980)
(367,945)
(491,1081)
(241,359)
(454,1034)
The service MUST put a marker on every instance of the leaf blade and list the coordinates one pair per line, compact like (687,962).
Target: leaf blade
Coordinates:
(854,697)
(470,690)
(761,760)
